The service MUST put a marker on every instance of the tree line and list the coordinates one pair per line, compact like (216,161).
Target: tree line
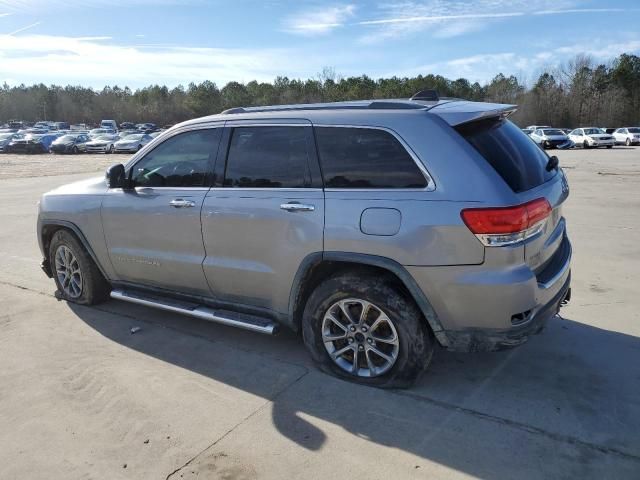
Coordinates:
(579,92)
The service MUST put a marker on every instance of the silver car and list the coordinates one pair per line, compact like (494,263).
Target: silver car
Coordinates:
(131,143)
(377,229)
(550,138)
(102,144)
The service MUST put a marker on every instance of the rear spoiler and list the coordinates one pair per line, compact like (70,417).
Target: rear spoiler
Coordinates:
(460,112)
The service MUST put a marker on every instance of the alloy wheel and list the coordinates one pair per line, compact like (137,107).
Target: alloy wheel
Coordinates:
(68,272)
(360,337)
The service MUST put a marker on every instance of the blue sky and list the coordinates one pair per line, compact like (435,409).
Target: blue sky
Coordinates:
(142,42)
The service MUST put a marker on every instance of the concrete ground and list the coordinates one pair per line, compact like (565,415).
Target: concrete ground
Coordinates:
(81,397)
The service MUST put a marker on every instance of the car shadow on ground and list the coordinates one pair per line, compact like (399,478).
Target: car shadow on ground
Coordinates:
(571,394)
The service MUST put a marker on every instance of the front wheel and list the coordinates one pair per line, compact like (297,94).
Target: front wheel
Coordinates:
(76,275)
(628,143)
(609,146)
(585,145)
(363,329)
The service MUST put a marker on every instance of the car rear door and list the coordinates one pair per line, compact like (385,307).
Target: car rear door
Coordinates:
(153,230)
(266,216)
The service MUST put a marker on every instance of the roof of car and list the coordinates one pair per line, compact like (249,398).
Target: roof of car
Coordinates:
(454,111)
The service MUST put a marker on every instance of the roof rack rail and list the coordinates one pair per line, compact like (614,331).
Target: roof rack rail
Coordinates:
(426,95)
(360,105)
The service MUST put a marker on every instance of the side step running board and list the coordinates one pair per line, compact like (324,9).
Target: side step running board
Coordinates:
(225,317)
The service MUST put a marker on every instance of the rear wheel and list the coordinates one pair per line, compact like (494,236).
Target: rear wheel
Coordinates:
(609,146)
(363,329)
(76,275)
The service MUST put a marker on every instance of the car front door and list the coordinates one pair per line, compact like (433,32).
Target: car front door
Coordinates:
(266,217)
(152,229)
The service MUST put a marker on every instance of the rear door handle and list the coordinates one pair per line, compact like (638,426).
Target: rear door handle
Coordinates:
(297,207)
(181,203)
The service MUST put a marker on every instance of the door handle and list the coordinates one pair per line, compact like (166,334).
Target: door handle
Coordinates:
(180,203)
(297,207)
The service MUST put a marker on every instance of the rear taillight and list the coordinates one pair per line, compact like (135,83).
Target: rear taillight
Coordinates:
(500,226)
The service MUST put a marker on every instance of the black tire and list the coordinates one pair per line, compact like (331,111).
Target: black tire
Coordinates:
(95,289)
(110,149)
(416,344)
(585,145)
(139,147)
(74,150)
(609,146)
(628,143)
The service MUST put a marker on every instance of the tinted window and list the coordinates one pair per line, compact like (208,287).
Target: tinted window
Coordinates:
(268,157)
(183,160)
(518,160)
(365,158)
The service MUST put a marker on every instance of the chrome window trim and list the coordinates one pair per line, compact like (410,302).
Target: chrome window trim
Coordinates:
(431,184)
(273,189)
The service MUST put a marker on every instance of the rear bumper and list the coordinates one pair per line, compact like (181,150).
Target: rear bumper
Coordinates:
(485,307)
(486,340)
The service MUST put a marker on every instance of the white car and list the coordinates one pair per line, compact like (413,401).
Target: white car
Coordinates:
(591,137)
(550,138)
(627,135)
(102,144)
(132,143)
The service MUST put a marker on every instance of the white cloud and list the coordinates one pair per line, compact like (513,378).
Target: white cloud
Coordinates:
(320,20)
(483,67)
(96,61)
(24,28)
(450,18)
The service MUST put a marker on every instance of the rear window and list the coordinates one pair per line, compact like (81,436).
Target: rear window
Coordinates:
(365,158)
(518,160)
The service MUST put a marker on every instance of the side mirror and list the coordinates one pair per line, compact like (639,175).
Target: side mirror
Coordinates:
(115,176)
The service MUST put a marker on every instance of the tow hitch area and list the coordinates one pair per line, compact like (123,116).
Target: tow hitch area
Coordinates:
(566,299)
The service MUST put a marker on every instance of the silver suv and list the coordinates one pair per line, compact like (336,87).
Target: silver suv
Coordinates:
(377,229)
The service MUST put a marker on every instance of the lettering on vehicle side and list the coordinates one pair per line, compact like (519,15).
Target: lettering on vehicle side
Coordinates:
(138,260)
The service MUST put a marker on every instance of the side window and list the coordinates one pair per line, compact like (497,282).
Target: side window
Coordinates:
(183,160)
(365,158)
(268,157)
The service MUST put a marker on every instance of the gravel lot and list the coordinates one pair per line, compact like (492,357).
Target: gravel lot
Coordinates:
(81,397)
(48,164)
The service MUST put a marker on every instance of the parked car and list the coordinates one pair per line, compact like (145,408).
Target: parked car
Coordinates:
(591,137)
(327,220)
(536,127)
(127,126)
(550,138)
(79,127)
(102,144)
(132,143)
(6,138)
(146,127)
(627,135)
(527,131)
(70,143)
(31,143)
(96,132)
(109,124)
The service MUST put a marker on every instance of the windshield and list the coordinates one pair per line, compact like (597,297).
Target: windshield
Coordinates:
(592,131)
(4,136)
(134,137)
(67,138)
(552,131)
(518,160)
(634,130)
(104,137)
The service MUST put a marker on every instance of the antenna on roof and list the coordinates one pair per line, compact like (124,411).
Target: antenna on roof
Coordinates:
(426,95)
